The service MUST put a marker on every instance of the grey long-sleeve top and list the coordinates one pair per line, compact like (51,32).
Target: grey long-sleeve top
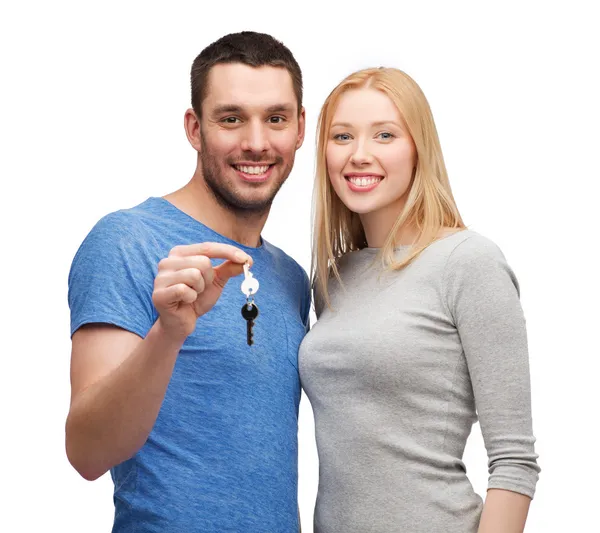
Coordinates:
(398,373)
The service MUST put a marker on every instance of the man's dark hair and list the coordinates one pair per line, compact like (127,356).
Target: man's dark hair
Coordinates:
(249,48)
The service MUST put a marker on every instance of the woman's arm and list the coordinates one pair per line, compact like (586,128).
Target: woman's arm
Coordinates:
(504,512)
(483,297)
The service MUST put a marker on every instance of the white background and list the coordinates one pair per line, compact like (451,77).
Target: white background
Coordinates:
(92,103)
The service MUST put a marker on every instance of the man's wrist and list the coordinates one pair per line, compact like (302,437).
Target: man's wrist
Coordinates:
(166,337)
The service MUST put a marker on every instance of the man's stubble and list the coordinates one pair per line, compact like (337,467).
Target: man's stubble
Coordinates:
(224,190)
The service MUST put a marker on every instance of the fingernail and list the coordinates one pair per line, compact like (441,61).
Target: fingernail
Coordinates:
(241,256)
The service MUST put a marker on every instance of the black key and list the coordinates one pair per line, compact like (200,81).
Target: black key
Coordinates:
(250,312)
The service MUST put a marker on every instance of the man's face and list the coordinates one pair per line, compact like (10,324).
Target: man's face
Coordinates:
(250,130)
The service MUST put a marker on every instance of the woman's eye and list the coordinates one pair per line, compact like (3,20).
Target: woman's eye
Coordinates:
(386,135)
(342,137)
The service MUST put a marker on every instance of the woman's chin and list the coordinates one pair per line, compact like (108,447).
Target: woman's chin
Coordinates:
(360,208)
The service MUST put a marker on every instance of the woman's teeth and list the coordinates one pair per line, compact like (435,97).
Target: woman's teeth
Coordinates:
(364,181)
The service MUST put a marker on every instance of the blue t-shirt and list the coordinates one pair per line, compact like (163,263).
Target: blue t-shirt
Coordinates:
(222,455)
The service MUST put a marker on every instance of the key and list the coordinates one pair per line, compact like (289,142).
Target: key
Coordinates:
(250,284)
(250,312)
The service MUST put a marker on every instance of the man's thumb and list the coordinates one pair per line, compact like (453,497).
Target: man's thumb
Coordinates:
(225,271)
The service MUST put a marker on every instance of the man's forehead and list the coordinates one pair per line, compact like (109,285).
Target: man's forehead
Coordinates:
(243,86)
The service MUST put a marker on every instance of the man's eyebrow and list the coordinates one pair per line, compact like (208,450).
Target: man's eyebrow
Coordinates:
(227,108)
(232,108)
(280,108)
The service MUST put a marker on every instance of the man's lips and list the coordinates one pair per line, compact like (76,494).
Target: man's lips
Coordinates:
(254,172)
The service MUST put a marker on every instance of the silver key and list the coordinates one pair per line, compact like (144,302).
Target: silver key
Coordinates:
(250,284)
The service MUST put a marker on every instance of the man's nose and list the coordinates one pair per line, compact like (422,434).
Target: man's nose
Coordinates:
(255,138)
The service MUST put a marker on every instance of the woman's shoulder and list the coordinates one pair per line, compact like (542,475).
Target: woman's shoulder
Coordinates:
(462,251)
(473,259)
(469,245)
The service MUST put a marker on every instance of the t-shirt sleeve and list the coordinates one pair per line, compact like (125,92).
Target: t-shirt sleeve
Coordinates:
(112,277)
(306,300)
(484,300)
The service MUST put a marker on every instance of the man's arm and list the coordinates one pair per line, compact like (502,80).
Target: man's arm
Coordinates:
(118,380)
(118,383)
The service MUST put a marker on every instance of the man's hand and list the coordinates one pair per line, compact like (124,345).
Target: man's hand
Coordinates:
(187,285)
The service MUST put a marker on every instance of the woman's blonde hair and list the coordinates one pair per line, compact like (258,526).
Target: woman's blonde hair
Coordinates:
(429,207)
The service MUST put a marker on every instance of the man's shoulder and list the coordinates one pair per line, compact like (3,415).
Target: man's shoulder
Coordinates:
(128,220)
(285,261)
(122,233)
(152,223)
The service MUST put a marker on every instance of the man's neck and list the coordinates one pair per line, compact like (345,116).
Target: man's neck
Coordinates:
(197,201)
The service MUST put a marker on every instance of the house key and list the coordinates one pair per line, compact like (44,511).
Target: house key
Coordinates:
(249,309)
(250,284)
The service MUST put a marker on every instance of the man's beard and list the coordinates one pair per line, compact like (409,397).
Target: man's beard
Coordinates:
(224,192)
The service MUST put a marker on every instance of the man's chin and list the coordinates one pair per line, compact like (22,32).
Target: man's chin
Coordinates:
(254,205)
(243,197)
(246,204)
(255,196)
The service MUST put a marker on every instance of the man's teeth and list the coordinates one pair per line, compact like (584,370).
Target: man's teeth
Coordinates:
(365,181)
(253,169)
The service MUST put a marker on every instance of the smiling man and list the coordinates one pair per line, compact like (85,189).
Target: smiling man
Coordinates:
(197,426)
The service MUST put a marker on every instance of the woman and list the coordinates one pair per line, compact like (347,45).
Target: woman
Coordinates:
(419,330)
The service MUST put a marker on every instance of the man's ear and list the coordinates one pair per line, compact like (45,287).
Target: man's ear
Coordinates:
(191,123)
(301,128)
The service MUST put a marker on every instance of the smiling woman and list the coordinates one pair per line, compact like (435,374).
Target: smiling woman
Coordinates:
(408,351)
(369,148)
(377,126)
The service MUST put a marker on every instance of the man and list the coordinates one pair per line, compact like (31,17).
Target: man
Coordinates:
(198,428)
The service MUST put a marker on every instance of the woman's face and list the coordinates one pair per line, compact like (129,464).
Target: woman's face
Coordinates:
(370,155)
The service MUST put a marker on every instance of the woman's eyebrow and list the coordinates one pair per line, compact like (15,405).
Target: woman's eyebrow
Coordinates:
(378,123)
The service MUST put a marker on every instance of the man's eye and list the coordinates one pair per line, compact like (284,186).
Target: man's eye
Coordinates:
(276,120)
(231,120)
